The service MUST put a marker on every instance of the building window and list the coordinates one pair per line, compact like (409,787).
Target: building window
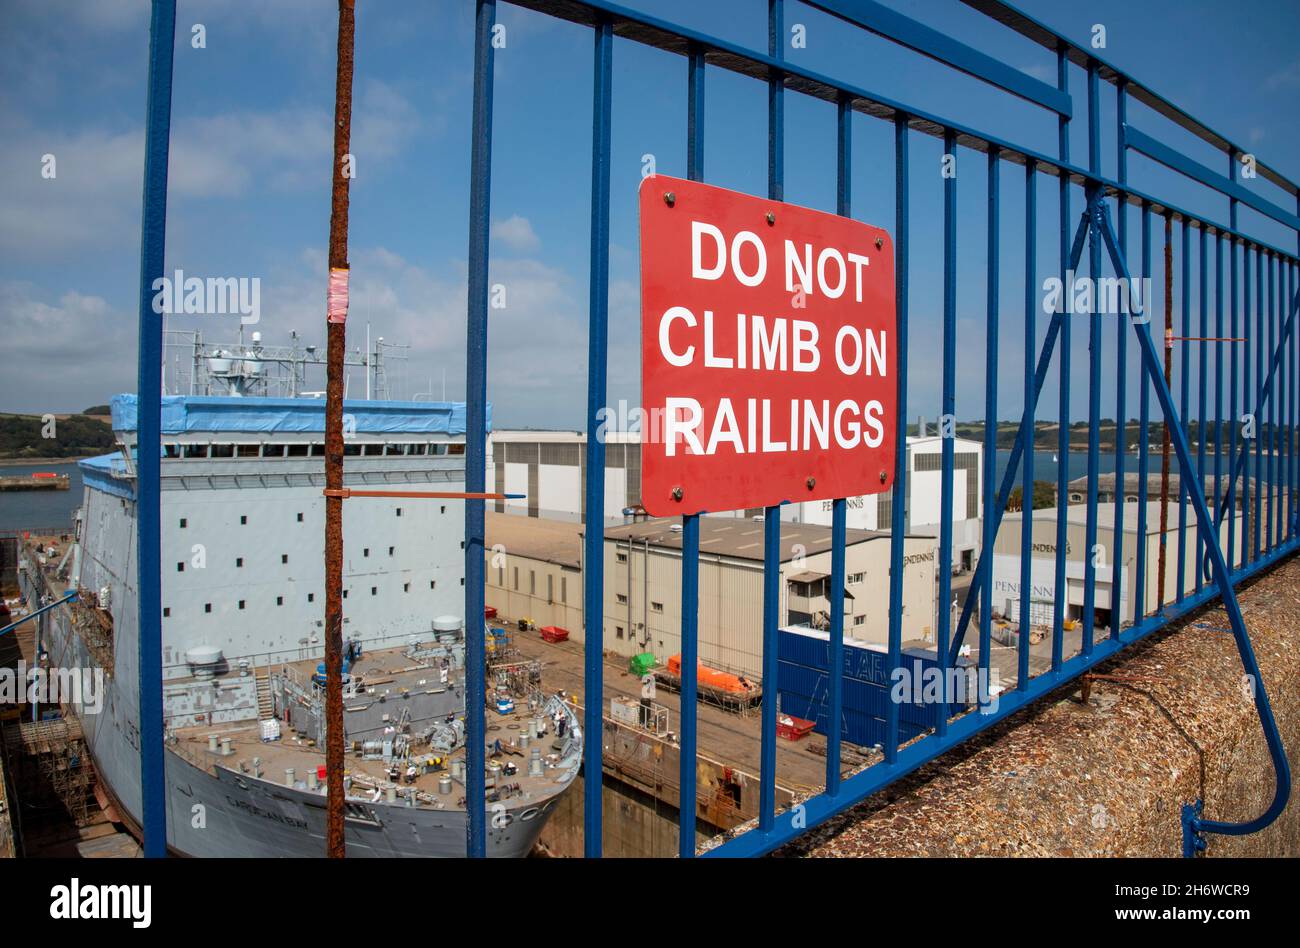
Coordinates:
(621,557)
(345,594)
(241,603)
(311,597)
(180,567)
(207,607)
(300,518)
(657,606)
(399,511)
(243,519)
(406,587)
(279,600)
(183,523)
(618,631)
(374,590)
(239,561)
(532,582)
(856,578)
(564,589)
(284,557)
(516,578)
(859,620)
(166,612)
(433,583)
(622,599)
(391,549)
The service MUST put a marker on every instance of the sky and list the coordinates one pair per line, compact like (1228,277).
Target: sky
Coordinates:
(251,155)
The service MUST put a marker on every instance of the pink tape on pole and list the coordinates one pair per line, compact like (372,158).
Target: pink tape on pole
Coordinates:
(338,295)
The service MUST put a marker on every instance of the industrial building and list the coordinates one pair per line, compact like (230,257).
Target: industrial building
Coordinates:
(643,573)
(922,513)
(549,467)
(535,571)
(1006,561)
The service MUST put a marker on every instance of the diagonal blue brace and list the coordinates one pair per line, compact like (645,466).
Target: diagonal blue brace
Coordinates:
(1239,465)
(1193,824)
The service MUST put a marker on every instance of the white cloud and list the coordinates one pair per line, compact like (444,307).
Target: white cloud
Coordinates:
(516,233)
(94,201)
(63,354)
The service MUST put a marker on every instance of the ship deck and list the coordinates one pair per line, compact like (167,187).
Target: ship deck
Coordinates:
(386,673)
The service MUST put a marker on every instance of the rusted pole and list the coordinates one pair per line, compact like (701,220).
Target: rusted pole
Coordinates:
(1169,377)
(337,311)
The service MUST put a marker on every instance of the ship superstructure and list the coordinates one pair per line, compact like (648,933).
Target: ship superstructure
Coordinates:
(242,627)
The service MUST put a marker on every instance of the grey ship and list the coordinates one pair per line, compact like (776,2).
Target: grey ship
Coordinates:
(243,600)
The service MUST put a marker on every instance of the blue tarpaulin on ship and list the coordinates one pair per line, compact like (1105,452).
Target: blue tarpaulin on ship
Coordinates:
(97,472)
(182,414)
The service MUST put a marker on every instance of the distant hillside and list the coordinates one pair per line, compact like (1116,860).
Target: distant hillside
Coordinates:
(21,437)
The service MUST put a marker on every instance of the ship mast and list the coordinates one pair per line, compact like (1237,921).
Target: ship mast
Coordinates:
(337,310)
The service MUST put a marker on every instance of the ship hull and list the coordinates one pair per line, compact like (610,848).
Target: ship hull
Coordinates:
(226,814)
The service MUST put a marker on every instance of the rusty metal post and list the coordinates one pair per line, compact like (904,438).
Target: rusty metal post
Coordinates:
(1169,376)
(337,308)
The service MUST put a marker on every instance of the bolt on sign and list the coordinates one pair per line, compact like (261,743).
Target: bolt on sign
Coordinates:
(767,351)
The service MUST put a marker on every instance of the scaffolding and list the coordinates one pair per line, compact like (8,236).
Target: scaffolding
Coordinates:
(50,771)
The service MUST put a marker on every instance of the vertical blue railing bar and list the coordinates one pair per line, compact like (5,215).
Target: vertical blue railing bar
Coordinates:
(771,603)
(839,506)
(772,515)
(1201,369)
(1235,352)
(1291,423)
(153,245)
(1275,306)
(1030,424)
(947,421)
(686,805)
(476,340)
(1269,475)
(1144,420)
(597,389)
(1259,397)
(1218,376)
(1120,493)
(686,802)
(897,512)
(1247,396)
(1185,370)
(1063,382)
(989,474)
(1234,358)
(1095,198)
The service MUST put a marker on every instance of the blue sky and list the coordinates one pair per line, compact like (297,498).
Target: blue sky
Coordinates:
(251,154)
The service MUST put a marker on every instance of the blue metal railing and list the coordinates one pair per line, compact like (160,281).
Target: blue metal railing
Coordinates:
(1269,393)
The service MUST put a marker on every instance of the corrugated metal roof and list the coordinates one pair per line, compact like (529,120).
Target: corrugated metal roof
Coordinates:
(737,537)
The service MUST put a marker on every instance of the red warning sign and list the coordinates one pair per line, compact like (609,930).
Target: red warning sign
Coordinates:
(767,351)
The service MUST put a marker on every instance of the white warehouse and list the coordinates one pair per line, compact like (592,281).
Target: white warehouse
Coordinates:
(549,467)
